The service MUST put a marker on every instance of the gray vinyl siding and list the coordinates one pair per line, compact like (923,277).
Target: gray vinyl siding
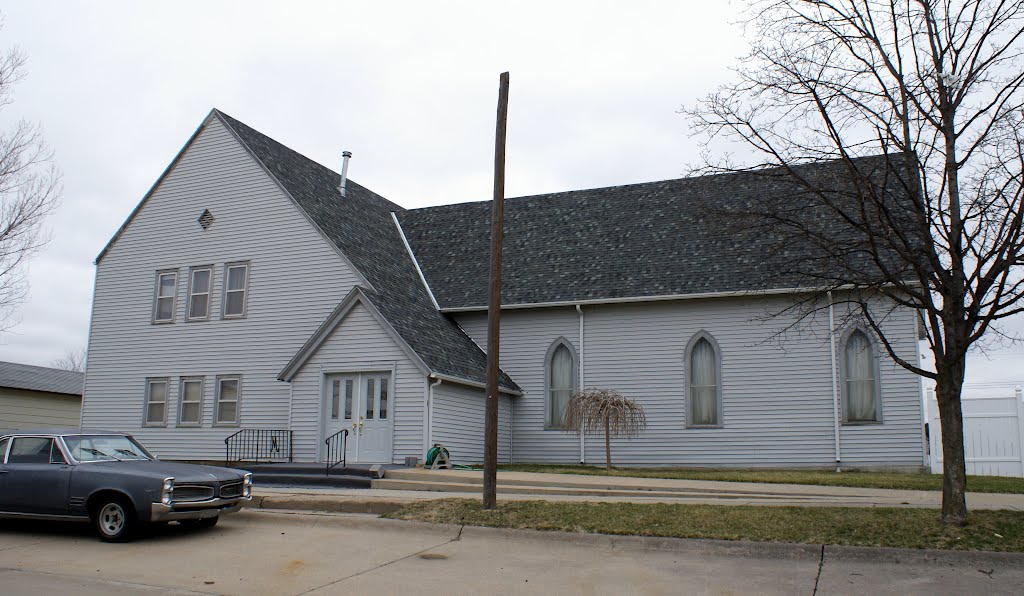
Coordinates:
(777,391)
(359,343)
(26,410)
(295,279)
(526,336)
(459,414)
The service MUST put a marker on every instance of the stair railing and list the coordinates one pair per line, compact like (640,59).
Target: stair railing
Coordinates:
(335,452)
(258,444)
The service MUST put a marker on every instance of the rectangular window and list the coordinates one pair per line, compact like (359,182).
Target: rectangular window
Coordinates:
(199,293)
(228,390)
(31,450)
(335,399)
(236,283)
(156,402)
(190,410)
(163,302)
(348,399)
(383,411)
(369,399)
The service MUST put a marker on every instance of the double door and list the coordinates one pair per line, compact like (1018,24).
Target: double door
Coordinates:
(361,403)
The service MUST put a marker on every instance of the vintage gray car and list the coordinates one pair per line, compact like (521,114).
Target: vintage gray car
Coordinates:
(108,478)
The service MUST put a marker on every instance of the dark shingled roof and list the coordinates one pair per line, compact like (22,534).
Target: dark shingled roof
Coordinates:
(361,226)
(641,240)
(39,378)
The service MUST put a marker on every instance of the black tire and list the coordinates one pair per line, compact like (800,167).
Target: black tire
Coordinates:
(114,519)
(206,522)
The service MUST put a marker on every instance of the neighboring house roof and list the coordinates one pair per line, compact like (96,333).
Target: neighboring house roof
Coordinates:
(40,378)
(640,241)
(361,226)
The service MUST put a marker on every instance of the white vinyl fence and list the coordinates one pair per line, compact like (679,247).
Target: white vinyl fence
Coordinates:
(993,435)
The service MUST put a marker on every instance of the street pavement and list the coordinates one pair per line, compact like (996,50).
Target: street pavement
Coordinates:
(262,552)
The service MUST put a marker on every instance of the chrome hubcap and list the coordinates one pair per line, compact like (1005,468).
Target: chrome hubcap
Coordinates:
(111,519)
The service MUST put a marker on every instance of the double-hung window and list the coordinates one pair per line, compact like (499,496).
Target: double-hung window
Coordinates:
(190,407)
(156,402)
(228,391)
(163,301)
(236,286)
(199,293)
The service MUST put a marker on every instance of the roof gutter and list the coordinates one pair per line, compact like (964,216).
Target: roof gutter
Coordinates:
(476,384)
(629,299)
(660,298)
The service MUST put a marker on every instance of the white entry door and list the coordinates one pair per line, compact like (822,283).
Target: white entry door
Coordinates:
(361,402)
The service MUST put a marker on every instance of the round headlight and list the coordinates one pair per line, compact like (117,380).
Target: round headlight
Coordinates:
(167,493)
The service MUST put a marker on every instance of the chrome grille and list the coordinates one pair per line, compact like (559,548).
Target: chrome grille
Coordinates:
(231,490)
(188,493)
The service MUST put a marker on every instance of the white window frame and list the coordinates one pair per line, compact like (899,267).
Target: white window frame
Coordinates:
(561,341)
(191,287)
(181,400)
(688,362)
(217,401)
(150,381)
(245,291)
(157,297)
(843,376)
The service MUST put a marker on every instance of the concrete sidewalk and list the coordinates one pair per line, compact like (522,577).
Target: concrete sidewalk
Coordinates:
(292,554)
(401,487)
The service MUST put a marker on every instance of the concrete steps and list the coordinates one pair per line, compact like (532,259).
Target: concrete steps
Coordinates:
(312,475)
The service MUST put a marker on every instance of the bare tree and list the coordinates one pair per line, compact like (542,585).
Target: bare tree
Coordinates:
(73,359)
(30,188)
(604,411)
(937,225)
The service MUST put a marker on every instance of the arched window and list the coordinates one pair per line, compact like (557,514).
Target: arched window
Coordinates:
(861,396)
(704,368)
(560,381)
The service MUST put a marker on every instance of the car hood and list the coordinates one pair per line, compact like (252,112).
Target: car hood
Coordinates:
(182,473)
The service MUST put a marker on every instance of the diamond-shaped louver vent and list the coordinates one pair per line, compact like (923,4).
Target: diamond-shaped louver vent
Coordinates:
(206,219)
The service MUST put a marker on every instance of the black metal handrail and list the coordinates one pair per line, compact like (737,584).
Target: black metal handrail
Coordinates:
(258,444)
(335,454)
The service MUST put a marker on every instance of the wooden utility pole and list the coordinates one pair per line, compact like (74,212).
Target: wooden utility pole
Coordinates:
(494,302)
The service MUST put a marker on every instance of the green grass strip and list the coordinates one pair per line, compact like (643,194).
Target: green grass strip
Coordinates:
(894,480)
(886,527)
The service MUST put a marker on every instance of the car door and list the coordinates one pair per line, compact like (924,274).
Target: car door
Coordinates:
(3,472)
(36,477)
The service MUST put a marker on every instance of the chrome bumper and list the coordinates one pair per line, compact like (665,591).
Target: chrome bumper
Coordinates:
(159,512)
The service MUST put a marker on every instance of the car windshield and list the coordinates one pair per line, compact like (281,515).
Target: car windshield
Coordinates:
(89,448)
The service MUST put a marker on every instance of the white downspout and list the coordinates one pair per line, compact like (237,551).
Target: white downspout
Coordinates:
(430,413)
(583,446)
(835,380)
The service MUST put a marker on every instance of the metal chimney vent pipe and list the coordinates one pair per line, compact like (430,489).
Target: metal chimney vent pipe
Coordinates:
(345,155)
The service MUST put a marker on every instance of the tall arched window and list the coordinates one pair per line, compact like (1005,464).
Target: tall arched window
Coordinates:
(704,380)
(561,381)
(861,400)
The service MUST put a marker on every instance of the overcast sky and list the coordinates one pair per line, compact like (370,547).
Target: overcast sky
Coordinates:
(409,87)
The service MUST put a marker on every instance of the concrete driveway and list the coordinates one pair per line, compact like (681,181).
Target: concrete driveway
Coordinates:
(280,553)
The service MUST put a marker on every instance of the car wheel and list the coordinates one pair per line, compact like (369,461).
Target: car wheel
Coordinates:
(114,520)
(206,522)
